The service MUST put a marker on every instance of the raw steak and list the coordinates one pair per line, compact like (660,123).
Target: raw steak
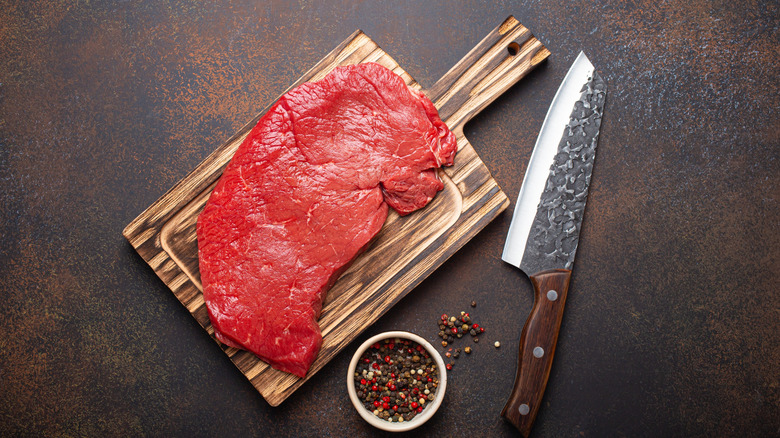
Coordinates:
(304,194)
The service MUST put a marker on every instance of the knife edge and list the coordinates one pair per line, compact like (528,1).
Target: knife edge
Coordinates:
(542,157)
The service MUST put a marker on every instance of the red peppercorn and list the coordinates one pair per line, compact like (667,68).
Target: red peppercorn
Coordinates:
(386,398)
(444,317)
(395,407)
(420,409)
(449,366)
(482,329)
(475,326)
(391,346)
(385,405)
(387,359)
(454,330)
(414,405)
(430,380)
(375,388)
(376,403)
(392,375)
(391,387)
(363,381)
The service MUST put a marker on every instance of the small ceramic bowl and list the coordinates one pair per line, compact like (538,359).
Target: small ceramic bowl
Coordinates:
(430,408)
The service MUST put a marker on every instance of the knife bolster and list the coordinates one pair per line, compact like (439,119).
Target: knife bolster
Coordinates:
(537,348)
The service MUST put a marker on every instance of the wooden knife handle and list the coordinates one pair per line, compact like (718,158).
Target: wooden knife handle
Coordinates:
(537,348)
(501,59)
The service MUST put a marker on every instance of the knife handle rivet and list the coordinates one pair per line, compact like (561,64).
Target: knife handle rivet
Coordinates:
(524,409)
(538,352)
(552,295)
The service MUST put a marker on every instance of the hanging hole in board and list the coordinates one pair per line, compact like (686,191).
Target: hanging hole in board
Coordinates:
(513,48)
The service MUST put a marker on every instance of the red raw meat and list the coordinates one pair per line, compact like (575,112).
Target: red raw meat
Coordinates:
(304,194)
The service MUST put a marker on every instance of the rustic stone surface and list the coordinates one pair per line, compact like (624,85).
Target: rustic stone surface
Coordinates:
(671,322)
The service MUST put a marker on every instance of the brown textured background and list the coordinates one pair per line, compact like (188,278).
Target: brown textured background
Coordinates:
(671,327)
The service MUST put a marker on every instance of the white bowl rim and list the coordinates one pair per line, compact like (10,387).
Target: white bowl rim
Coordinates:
(429,409)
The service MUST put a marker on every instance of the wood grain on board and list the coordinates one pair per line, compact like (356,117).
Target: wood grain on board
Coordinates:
(405,251)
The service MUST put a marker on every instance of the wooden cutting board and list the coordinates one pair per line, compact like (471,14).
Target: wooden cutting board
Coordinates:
(406,250)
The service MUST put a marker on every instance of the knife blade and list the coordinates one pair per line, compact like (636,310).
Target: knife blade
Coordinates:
(544,232)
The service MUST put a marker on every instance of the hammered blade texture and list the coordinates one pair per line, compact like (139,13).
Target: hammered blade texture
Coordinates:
(554,235)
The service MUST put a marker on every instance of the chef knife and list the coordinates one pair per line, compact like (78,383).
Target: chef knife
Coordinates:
(545,228)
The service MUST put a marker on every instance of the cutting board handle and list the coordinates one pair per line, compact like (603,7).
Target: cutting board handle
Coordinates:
(501,59)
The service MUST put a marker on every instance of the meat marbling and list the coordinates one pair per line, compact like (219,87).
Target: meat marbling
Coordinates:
(304,194)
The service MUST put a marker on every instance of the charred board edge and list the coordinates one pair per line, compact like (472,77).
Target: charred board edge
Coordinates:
(483,199)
